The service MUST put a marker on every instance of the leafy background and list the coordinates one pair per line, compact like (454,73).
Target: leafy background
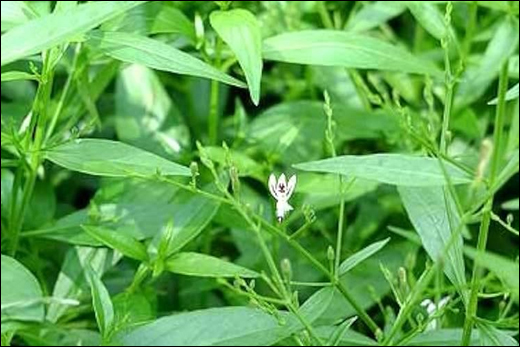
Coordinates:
(137,138)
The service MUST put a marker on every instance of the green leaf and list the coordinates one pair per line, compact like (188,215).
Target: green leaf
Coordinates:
(151,19)
(397,169)
(146,116)
(21,293)
(511,205)
(243,163)
(120,242)
(435,217)
(491,336)
(17,76)
(329,192)
(339,48)
(507,270)
(314,307)
(139,209)
(431,19)
(477,79)
(230,326)
(348,338)
(512,94)
(53,29)
(288,131)
(357,258)
(241,31)
(442,337)
(112,159)
(201,265)
(366,283)
(14,13)
(102,304)
(373,15)
(137,49)
(71,283)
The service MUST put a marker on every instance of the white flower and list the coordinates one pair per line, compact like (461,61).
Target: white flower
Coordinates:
(431,309)
(282,190)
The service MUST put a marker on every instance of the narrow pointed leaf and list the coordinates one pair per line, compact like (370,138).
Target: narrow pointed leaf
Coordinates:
(137,49)
(355,259)
(112,159)
(53,29)
(241,31)
(201,265)
(123,243)
(397,169)
(339,48)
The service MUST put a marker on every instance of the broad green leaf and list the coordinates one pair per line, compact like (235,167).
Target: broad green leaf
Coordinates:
(397,169)
(230,326)
(241,31)
(42,206)
(339,48)
(436,219)
(21,293)
(139,210)
(146,116)
(53,29)
(512,94)
(511,205)
(102,303)
(17,75)
(153,18)
(201,265)
(134,307)
(112,159)
(431,19)
(507,270)
(119,241)
(137,49)
(314,307)
(374,14)
(349,337)
(290,131)
(477,78)
(71,283)
(491,336)
(14,13)
(357,258)
(442,337)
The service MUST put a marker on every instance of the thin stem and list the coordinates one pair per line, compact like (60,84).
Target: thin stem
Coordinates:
(341,223)
(213,121)
(305,323)
(448,103)
(324,15)
(64,94)
(504,224)
(471,310)
(411,303)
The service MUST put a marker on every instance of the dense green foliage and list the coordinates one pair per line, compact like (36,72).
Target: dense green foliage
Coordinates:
(138,138)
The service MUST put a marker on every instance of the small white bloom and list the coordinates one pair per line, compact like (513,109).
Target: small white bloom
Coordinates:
(282,190)
(431,309)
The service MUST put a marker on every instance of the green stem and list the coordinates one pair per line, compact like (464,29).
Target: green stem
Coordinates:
(324,15)
(64,94)
(448,103)
(411,303)
(341,223)
(305,323)
(213,121)
(471,310)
